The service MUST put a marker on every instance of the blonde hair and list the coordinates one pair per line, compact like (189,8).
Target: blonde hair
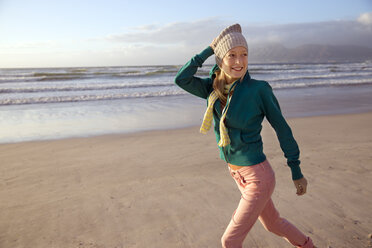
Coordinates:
(219,83)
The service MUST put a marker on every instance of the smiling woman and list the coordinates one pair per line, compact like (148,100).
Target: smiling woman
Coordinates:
(238,104)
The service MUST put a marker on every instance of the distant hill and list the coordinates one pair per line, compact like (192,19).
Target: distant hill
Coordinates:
(308,53)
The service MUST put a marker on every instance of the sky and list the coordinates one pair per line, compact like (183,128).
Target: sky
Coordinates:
(70,33)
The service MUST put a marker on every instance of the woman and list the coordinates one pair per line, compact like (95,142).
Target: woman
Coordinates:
(237,103)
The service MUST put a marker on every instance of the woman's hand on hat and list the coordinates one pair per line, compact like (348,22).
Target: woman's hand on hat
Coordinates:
(301,185)
(214,43)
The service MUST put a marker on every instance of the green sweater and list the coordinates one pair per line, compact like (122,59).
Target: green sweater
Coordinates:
(251,102)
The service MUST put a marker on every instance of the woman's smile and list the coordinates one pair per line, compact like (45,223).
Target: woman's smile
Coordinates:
(237,68)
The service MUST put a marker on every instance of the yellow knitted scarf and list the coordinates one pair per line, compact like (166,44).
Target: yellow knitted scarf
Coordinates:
(208,116)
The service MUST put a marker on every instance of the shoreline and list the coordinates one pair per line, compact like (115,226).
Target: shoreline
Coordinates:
(86,119)
(89,119)
(169,188)
(166,129)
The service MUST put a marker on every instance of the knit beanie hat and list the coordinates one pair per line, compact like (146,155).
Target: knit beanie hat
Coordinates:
(229,38)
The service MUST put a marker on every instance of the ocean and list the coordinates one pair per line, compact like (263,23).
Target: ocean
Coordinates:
(54,103)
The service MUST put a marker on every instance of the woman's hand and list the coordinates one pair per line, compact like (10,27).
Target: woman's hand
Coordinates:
(301,185)
(213,43)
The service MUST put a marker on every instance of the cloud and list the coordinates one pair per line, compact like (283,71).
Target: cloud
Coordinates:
(365,18)
(330,33)
(201,33)
(176,42)
(29,45)
(185,33)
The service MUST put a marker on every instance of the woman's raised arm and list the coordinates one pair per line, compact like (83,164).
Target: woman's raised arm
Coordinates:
(186,79)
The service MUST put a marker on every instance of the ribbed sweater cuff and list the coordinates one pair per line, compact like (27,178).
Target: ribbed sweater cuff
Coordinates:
(296,172)
(206,53)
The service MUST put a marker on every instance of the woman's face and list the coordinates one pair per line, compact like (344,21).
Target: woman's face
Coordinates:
(235,63)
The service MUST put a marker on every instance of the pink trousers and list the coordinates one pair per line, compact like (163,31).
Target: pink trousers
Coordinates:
(257,184)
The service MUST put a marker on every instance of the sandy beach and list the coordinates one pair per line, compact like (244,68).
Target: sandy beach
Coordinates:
(170,189)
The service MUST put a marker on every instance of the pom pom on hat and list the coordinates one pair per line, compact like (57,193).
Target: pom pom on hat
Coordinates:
(229,38)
